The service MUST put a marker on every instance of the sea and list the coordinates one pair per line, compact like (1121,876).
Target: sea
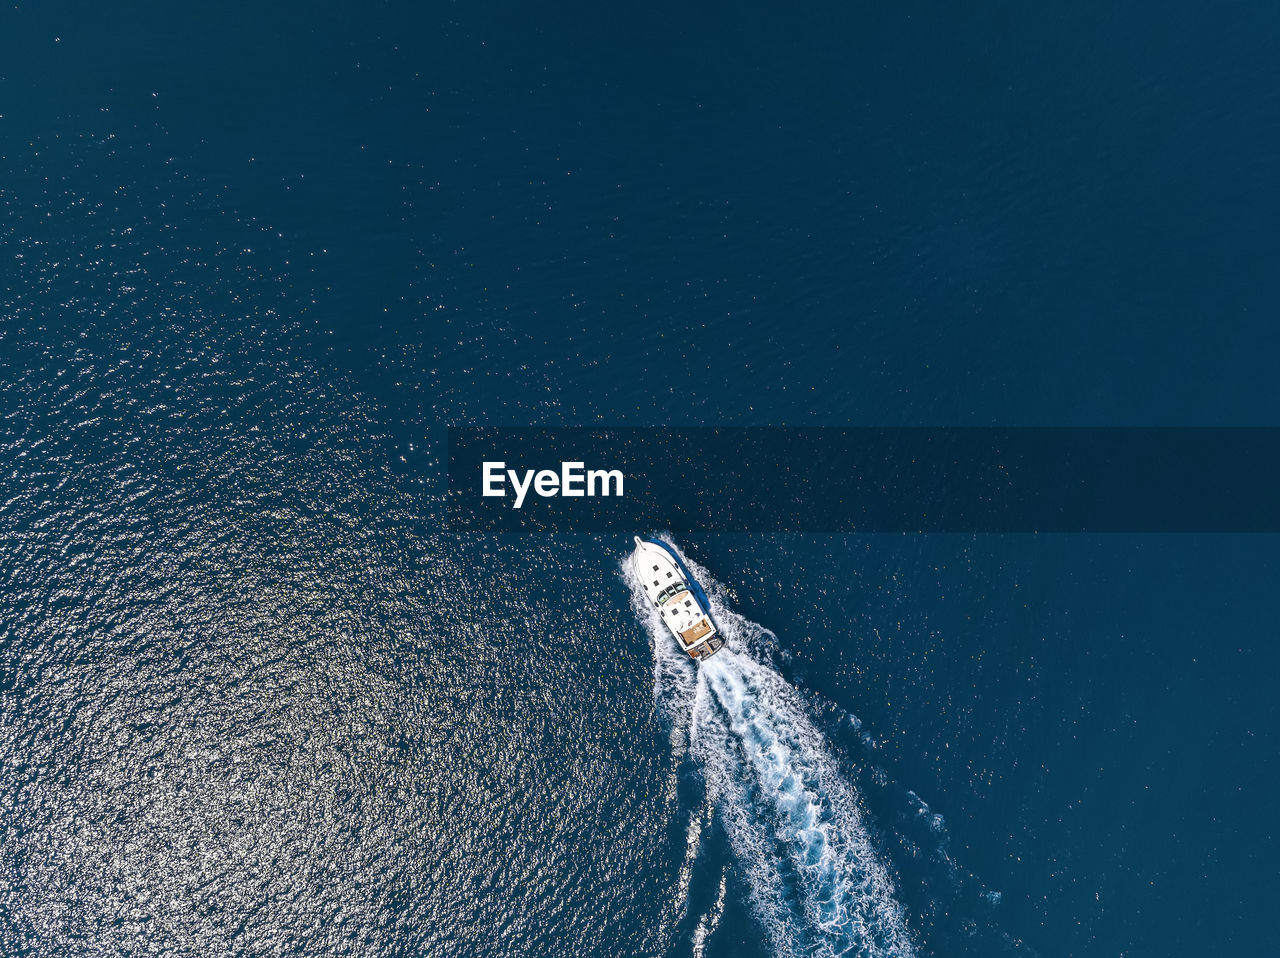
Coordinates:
(257,698)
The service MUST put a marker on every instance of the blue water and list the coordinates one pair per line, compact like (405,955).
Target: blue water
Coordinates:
(255,700)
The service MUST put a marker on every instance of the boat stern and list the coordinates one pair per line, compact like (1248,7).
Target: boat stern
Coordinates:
(707,648)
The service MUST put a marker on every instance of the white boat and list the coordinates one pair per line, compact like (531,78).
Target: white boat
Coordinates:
(677,595)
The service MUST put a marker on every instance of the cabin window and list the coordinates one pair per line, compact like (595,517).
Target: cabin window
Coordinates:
(686,602)
(655,568)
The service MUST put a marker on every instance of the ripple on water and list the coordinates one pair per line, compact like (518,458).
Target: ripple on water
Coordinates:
(251,703)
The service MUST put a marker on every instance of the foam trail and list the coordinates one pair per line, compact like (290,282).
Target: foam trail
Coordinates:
(818,884)
(710,921)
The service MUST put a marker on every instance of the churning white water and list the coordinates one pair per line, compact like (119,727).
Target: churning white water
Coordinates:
(817,881)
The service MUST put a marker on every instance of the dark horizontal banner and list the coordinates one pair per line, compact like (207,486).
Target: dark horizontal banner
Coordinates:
(779,479)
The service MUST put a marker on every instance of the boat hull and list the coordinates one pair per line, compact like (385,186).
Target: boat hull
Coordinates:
(679,599)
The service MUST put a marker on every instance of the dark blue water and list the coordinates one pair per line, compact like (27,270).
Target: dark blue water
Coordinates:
(254,699)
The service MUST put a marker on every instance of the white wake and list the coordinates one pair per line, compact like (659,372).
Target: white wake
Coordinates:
(817,882)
